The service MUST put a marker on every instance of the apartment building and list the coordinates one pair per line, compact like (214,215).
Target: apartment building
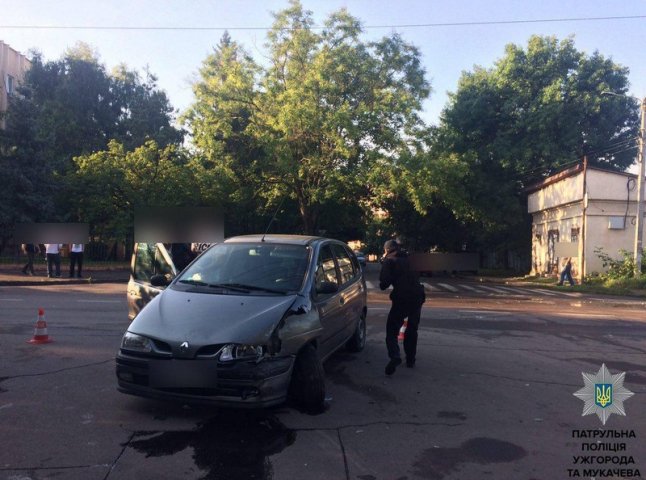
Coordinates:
(13,66)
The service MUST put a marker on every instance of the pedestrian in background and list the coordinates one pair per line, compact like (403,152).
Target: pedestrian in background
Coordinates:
(407,298)
(76,258)
(566,273)
(31,250)
(53,254)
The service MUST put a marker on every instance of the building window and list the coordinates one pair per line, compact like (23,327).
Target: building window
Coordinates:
(574,235)
(10,84)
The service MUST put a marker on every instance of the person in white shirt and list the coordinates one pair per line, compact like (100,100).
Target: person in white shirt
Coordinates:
(76,257)
(53,253)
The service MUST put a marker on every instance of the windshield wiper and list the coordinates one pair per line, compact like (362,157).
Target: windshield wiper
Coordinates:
(230,286)
(247,288)
(194,282)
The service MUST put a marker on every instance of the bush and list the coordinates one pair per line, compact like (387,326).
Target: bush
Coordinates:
(623,268)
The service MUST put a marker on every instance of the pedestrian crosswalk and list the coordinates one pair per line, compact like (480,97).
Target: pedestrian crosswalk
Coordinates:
(483,290)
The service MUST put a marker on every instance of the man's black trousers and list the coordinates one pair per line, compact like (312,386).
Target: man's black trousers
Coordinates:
(398,312)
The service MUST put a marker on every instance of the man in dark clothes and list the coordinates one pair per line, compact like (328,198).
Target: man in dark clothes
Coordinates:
(30,249)
(407,298)
(566,274)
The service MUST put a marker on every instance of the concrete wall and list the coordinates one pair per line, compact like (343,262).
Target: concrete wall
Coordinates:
(611,186)
(566,191)
(563,219)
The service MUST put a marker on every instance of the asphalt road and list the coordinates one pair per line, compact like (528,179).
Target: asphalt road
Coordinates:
(491,396)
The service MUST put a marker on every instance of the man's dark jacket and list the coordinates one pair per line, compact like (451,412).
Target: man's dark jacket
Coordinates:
(396,271)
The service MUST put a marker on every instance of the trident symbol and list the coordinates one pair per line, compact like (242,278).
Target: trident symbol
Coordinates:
(603,392)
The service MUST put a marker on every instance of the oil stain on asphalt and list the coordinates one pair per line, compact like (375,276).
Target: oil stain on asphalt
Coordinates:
(230,446)
(435,463)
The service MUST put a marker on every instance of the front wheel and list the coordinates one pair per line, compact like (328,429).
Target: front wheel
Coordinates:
(307,387)
(358,339)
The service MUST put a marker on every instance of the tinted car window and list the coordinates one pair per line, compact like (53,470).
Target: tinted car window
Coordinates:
(346,266)
(325,267)
(272,266)
(144,262)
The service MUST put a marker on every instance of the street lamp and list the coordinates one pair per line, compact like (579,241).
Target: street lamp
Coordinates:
(640,182)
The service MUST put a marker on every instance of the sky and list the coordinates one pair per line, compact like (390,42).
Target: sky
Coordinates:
(175,56)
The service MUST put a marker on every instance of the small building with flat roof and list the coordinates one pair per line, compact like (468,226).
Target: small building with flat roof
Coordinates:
(578,211)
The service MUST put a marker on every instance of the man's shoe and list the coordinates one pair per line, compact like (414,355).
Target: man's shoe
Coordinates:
(392,365)
(410,363)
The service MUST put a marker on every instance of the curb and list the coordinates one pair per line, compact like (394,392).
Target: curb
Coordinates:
(32,283)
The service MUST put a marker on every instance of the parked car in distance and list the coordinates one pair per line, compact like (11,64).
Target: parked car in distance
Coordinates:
(360,257)
(248,323)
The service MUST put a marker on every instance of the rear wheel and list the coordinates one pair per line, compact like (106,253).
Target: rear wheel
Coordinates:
(307,387)
(358,339)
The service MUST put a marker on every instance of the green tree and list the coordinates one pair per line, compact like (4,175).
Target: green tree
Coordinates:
(227,153)
(108,185)
(327,107)
(537,109)
(145,112)
(66,108)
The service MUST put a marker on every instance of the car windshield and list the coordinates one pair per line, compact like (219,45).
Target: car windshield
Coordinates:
(258,268)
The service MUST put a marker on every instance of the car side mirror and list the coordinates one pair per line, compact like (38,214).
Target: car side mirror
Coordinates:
(327,287)
(160,280)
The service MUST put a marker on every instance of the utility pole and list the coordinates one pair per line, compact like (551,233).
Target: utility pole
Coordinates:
(639,219)
(584,212)
(639,222)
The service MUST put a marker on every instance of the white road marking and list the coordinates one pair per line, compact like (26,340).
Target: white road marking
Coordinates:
(99,301)
(571,294)
(469,287)
(432,288)
(542,292)
(517,291)
(450,288)
(489,312)
(493,289)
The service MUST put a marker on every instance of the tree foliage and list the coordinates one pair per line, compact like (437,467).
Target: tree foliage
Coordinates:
(537,109)
(108,185)
(66,108)
(317,118)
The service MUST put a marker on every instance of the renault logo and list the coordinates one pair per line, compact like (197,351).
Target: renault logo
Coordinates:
(183,348)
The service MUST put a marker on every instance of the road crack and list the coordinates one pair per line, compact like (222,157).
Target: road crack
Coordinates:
(116,460)
(12,377)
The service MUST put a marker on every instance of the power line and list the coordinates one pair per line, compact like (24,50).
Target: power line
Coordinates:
(410,25)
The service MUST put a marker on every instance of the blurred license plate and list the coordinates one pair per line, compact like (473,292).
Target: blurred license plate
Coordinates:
(182,374)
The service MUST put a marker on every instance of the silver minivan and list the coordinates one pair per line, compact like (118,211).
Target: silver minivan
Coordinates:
(248,323)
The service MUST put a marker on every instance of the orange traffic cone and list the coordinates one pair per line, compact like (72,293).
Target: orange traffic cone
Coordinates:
(40,331)
(402,331)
